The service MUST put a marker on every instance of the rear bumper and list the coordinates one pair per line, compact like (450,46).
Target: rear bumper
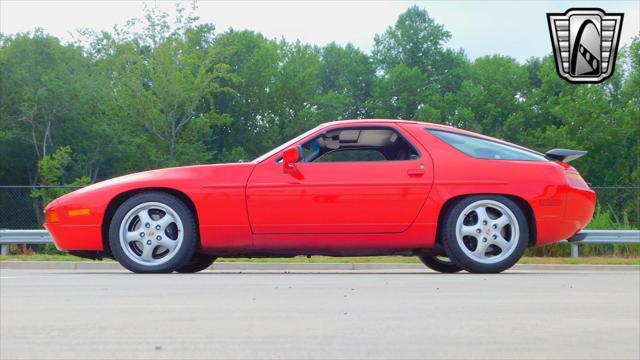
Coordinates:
(578,211)
(580,205)
(76,237)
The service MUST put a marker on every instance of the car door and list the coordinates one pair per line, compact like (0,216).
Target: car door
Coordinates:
(327,197)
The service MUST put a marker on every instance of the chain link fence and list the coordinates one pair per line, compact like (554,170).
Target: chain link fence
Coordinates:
(21,209)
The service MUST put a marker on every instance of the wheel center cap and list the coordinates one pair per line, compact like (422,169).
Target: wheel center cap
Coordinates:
(151,233)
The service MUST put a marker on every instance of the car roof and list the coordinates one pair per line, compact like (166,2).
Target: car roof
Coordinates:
(428,125)
(392,121)
(359,121)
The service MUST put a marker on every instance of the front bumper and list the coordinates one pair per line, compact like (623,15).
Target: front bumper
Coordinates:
(76,237)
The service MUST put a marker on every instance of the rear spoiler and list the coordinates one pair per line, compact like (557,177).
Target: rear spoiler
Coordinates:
(564,155)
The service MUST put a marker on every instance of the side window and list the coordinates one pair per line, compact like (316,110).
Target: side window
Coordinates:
(486,149)
(370,143)
(351,155)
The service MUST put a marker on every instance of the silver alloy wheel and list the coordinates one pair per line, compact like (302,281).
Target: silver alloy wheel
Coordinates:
(151,233)
(487,231)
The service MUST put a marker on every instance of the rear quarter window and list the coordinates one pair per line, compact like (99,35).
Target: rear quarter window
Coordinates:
(486,149)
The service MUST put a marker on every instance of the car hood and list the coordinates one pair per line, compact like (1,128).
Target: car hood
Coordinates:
(178,178)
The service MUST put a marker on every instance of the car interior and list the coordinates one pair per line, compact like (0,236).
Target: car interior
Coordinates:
(358,144)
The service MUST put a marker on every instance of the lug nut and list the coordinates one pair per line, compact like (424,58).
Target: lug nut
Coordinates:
(478,231)
(484,222)
(148,242)
(157,227)
(158,237)
(494,226)
(141,234)
(484,239)
(495,237)
(147,225)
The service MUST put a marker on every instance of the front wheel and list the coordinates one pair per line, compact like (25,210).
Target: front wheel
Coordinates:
(485,233)
(440,264)
(197,263)
(153,232)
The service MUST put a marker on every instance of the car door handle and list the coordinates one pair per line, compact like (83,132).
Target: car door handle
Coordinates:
(415,172)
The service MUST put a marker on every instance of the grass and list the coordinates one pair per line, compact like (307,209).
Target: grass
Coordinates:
(601,260)
(41,257)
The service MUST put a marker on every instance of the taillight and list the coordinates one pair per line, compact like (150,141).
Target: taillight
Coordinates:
(574,179)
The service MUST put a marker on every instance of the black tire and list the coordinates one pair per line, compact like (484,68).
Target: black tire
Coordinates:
(458,255)
(440,265)
(183,254)
(198,263)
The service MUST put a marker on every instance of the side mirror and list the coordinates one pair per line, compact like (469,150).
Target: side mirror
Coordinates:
(289,159)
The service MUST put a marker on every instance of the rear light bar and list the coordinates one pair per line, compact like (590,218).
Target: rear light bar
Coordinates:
(574,179)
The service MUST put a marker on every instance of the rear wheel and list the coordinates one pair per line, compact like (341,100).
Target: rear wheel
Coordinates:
(153,232)
(485,233)
(199,262)
(440,264)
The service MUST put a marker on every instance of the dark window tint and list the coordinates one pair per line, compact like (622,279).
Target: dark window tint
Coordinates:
(353,143)
(486,149)
(352,155)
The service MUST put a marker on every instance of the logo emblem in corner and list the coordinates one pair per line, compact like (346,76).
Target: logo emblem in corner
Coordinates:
(585,43)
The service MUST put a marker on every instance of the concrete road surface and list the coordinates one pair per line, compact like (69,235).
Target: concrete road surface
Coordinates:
(326,315)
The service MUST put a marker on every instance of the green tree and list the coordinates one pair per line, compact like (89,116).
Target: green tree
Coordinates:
(165,84)
(417,41)
(399,94)
(295,90)
(48,98)
(254,61)
(494,91)
(52,174)
(348,74)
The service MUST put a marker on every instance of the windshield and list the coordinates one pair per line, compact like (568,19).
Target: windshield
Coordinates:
(286,145)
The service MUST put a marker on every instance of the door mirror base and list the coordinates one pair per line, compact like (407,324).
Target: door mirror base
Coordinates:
(289,159)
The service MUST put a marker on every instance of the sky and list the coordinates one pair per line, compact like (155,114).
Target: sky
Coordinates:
(514,28)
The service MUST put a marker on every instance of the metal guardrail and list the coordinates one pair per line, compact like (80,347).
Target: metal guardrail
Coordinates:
(9,237)
(24,237)
(607,237)
(602,237)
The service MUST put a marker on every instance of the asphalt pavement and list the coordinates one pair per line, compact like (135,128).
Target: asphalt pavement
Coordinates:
(367,314)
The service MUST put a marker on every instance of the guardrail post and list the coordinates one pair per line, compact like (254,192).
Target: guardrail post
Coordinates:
(4,250)
(574,251)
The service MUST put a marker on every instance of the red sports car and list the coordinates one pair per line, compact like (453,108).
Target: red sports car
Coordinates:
(456,199)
